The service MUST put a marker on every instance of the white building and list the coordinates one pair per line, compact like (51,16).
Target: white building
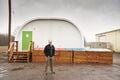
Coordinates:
(63,33)
(111,36)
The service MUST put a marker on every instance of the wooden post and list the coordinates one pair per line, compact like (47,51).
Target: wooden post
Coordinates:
(72,57)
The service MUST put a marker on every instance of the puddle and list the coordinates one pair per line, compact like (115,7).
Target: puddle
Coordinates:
(16,69)
(1,75)
(1,69)
(2,72)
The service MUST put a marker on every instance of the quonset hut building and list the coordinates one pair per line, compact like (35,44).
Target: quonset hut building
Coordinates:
(66,37)
(63,33)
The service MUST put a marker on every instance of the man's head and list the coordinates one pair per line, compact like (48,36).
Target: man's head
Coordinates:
(50,42)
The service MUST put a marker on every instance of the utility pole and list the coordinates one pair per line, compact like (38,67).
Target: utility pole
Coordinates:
(9,23)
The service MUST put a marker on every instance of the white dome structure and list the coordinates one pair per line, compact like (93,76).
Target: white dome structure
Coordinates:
(63,33)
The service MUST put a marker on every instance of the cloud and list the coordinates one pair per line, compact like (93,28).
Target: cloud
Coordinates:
(91,16)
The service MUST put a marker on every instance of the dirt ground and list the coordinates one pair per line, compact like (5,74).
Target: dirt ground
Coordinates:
(3,48)
(35,71)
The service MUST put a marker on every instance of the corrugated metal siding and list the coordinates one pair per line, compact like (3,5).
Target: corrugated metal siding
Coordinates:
(113,37)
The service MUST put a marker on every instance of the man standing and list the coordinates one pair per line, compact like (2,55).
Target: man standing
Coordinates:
(49,51)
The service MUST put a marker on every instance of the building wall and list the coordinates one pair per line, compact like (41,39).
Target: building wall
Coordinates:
(113,37)
(98,45)
(62,33)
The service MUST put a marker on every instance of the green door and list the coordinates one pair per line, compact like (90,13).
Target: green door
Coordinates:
(26,38)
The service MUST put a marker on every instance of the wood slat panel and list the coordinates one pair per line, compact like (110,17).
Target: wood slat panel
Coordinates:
(63,56)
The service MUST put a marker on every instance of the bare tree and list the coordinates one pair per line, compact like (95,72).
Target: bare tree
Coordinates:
(4,39)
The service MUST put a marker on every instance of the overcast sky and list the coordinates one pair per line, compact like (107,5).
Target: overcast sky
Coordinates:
(90,16)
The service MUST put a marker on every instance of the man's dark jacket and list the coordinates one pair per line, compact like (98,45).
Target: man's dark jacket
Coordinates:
(49,50)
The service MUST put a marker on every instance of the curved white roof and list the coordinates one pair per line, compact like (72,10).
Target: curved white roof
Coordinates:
(63,33)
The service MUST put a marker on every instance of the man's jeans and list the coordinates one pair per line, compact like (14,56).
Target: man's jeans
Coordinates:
(49,62)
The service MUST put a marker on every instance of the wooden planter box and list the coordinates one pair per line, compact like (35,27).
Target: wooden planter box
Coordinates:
(64,56)
(99,57)
(106,57)
(38,56)
(80,57)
